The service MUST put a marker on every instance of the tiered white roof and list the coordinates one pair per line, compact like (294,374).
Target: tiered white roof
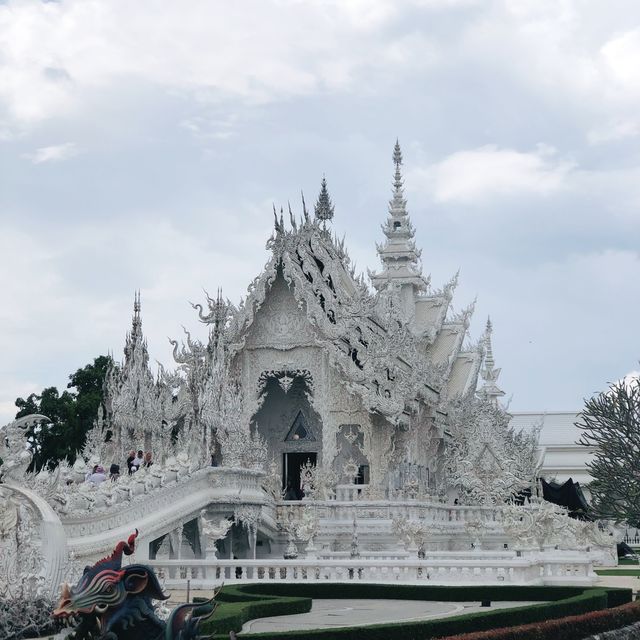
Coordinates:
(399,255)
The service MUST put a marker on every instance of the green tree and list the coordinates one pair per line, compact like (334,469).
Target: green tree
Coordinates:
(72,414)
(611,424)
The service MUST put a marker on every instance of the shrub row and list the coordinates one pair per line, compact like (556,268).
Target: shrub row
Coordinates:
(231,612)
(279,599)
(409,592)
(569,628)
(615,595)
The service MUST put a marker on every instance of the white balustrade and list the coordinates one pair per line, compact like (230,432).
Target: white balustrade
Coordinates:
(434,571)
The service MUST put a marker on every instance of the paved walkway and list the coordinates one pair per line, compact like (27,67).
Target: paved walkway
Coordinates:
(327,614)
(629,582)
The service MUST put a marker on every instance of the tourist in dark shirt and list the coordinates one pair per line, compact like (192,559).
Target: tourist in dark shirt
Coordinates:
(130,459)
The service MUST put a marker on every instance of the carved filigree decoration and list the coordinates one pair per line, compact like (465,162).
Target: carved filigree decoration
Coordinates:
(285,378)
(351,469)
(248,515)
(486,460)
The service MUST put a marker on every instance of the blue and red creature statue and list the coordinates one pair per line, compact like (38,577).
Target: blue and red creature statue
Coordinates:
(112,602)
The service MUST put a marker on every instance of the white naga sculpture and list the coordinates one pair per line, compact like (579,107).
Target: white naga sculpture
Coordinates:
(213,532)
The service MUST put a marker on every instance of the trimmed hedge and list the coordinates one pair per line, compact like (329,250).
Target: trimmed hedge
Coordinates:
(408,592)
(234,609)
(569,628)
(240,603)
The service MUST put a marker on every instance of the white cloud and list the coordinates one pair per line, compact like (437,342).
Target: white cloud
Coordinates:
(54,153)
(488,172)
(257,51)
(622,55)
(612,131)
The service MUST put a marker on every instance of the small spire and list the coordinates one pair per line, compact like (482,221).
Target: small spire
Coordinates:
(397,153)
(324,207)
(136,329)
(398,205)
(135,339)
(490,373)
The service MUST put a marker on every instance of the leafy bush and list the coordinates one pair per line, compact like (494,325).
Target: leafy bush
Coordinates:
(569,628)
(26,618)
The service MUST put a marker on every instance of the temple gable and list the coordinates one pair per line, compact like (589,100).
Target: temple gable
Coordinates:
(280,323)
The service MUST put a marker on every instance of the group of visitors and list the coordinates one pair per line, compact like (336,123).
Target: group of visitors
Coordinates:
(135,462)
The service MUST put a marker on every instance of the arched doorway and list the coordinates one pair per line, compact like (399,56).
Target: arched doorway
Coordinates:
(289,423)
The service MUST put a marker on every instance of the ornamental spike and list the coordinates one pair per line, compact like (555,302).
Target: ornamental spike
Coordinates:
(292,219)
(324,208)
(304,207)
(490,373)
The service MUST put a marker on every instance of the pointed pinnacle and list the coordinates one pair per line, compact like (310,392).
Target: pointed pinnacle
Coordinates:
(324,208)
(397,154)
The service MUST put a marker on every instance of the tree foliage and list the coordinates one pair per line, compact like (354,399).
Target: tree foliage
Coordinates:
(611,423)
(72,414)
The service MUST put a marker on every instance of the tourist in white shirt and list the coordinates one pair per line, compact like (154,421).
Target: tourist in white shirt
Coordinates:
(98,476)
(139,460)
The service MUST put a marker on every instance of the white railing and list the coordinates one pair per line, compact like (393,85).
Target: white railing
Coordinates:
(515,571)
(438,513)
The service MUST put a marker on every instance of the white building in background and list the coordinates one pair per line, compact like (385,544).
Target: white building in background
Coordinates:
(561,455)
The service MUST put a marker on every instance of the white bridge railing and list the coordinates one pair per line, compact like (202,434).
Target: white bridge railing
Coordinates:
(517,571)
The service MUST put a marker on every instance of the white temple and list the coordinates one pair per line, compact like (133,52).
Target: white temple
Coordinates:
(314,366)
(324,421)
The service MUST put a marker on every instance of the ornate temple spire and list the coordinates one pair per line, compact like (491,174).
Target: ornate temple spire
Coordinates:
(324,207)
(136,328)
(490,373)
(135,343)
(399,256)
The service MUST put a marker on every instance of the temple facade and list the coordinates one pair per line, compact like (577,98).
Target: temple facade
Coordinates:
(365,380)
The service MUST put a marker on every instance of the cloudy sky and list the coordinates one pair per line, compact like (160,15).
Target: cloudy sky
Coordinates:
(143,143)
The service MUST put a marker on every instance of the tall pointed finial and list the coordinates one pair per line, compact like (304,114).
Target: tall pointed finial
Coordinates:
(135,341)
(399,255)
(137,319)
(489,362)
(398,205)
(490,373)
(324,207)
(397,155)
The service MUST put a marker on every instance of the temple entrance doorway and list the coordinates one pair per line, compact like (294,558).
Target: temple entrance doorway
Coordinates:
(291,463)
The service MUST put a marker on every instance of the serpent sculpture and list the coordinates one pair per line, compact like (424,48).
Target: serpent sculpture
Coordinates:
(112,602)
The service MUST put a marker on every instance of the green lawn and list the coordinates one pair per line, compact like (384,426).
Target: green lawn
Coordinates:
(628,561)
(618,572)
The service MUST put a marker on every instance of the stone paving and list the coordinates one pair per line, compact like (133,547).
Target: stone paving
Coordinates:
(326,614)
(629,582)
